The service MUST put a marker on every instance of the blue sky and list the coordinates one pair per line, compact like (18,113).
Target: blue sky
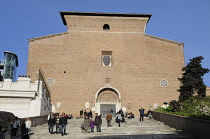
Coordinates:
(186,21)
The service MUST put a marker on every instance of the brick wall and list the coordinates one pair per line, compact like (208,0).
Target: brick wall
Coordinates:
(139,63)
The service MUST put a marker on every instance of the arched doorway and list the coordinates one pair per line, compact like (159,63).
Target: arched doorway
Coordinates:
(107,99)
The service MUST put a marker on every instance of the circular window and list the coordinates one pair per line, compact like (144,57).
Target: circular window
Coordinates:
(164,83)
(50,81)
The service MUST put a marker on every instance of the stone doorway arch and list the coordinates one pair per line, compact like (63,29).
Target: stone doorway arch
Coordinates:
(107,98)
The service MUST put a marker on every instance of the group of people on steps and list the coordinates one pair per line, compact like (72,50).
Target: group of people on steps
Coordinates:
(90,123)
(14,126)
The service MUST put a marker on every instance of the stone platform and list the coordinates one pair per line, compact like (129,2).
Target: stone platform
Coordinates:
(132,129)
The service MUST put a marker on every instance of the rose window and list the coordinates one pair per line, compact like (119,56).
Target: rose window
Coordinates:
(164,83)
(50,81)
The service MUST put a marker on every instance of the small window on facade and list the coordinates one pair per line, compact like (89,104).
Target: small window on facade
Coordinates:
(107,58)
(106,27)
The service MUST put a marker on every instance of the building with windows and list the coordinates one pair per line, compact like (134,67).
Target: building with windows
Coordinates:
(8,66)
(106,61)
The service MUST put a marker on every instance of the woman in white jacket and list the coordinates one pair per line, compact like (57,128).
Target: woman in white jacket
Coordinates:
(28,125)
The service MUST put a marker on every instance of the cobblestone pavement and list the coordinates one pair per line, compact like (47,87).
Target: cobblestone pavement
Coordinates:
(132,129)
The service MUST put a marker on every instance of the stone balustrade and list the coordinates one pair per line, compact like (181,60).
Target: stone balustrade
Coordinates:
(196,127)
(39,120)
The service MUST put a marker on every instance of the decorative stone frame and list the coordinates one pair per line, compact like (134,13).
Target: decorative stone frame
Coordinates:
(98,103)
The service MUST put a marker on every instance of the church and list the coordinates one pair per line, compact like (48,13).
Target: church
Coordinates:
(106,61)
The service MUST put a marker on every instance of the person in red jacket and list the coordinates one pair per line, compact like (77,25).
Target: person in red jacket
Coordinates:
(63,122)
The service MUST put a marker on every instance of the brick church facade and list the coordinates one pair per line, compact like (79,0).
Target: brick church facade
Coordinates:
(106,61)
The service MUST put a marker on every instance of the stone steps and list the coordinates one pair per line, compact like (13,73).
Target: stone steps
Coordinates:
(148,129)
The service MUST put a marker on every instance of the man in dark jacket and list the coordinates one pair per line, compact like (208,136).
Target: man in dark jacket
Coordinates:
(141,114)
(51,123)
(85,113)
(81,113)
(98,122)
(63,123)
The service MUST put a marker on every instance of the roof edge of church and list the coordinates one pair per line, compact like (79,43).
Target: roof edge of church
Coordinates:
(62,13)
(162,39)
(48,36)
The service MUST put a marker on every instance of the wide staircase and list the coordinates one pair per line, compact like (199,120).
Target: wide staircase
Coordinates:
(132,129)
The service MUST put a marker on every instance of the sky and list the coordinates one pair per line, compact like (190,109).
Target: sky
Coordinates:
(185,21)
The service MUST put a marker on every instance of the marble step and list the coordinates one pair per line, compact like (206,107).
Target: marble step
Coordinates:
(148,129)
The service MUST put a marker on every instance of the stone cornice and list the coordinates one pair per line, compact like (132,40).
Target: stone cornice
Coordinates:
(162,39)
(73,13)
(17,94)
(48,36)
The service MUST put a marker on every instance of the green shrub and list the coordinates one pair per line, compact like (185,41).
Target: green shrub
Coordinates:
(175,106)
(199,108)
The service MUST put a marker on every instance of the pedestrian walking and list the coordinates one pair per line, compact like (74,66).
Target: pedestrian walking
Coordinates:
(81,113)
(86,123)
(119,118)
(16,125)
(149,114)
(51,124)
(92,125)
(141,114)
(108,119)
(90,114)
(98,122)
(56,124)
(111,111)
(63,122)
(48,117)
(28,125)
(23,128)
(85,113)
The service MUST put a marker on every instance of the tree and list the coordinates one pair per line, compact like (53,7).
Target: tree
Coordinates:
(175,106)
(192,84)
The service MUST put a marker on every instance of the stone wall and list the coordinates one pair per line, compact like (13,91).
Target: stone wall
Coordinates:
(196,127)
(38,120)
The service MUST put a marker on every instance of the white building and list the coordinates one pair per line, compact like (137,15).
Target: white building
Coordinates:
(25,99)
